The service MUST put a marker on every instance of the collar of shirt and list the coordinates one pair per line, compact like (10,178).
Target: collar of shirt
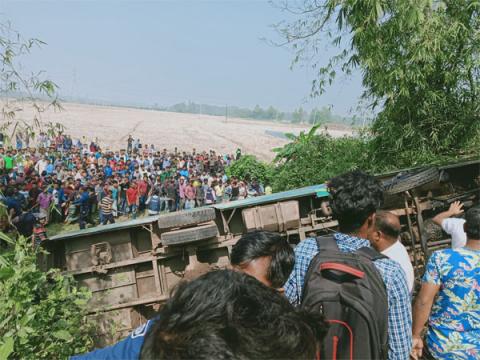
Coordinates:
(349,243)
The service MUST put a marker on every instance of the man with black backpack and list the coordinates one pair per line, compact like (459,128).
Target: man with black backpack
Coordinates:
(363,294)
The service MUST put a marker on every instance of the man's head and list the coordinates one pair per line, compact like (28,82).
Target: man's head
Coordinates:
(264,255)
(472,223)
(355,197)
(228,315)
(386,232)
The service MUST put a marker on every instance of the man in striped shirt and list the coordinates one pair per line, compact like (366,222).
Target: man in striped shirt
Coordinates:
(355,197)
(106,208)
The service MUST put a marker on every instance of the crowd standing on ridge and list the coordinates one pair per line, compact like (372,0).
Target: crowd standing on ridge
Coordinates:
(346,295)
(61,179)
(342,296)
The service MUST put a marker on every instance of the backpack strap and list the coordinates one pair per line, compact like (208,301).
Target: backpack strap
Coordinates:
(326,243)
(370,253)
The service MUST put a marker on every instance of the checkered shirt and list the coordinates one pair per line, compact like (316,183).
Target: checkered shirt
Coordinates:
(399,301)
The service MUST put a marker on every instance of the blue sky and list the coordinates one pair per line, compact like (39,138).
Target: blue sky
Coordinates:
(163,52)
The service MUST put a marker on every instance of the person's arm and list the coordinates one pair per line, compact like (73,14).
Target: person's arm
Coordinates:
(421,313)
(399,315)
(456,208)
(431,283)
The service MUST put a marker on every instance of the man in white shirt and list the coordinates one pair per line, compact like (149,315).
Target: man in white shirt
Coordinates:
(451,225)
(41,165)
(385,239)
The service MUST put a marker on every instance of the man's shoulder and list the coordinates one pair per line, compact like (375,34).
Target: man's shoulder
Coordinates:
(390,271)
(387,265)
(307,247)
(453,224)
(450,255)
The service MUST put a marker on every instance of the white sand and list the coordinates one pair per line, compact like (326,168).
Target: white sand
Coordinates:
(112,125)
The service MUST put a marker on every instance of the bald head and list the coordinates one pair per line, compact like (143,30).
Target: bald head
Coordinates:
(389,225)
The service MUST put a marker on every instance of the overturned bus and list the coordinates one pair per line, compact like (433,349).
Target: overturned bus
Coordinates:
(131,267)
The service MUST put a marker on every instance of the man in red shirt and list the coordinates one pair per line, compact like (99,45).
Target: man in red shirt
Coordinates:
(142,192)
(190,194)
(132,200)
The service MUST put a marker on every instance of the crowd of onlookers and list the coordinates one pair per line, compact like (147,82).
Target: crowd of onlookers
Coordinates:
(347,295)
(65,180)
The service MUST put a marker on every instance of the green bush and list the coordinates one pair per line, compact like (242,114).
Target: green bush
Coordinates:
(321,158)
(248,167)
(42,314)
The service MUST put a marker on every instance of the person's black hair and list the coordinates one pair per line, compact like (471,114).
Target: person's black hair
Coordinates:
(472,222)
(383,222)
(354,197)
(256,244)
(9,191)
(229,315)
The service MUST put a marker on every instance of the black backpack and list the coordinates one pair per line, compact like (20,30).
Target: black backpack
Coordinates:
(349,291)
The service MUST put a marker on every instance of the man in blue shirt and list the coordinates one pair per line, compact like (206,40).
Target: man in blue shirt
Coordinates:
(50,167)
(84,203)
(355,197)
(263,255)
(226,314)
(450,300)
(127,349)
(222,314)
(108,171)
(184,172)
(14,207)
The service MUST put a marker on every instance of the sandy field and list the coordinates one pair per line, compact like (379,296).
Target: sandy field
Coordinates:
(112,125)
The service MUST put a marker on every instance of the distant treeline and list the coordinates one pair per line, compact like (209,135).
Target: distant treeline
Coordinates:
(321,115)
(299,115)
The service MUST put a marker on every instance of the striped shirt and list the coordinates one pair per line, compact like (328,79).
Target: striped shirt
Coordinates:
(106,205)
(399,302)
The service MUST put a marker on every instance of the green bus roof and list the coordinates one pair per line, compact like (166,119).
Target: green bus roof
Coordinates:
(317,190)
(106,228)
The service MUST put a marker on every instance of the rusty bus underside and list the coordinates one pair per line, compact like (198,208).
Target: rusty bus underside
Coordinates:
(131,267)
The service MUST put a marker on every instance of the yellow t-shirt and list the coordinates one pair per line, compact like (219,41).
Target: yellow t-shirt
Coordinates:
(219,190)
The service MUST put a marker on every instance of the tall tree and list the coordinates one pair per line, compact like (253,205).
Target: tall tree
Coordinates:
(419,61)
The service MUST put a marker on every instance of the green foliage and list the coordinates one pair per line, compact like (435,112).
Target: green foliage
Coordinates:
(290,151)
(420,65)
(318,158)
(248,167)
(42,314)
(21,110)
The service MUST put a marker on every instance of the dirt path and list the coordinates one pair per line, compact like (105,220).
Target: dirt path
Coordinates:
(125,137)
